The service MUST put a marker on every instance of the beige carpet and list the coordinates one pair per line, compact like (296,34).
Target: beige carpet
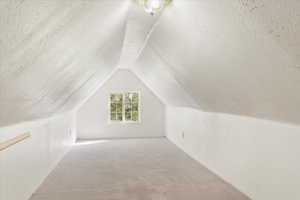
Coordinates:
(133,169)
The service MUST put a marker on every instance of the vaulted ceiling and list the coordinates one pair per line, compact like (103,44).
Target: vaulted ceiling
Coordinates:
(237,56)
(54,52)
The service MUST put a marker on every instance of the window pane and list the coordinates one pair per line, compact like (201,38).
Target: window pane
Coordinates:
(127,107)
(135,97)
(135,107)
(119,108)
(119,116)
(116,98)
(128,116)
(116,107)
(135,116)
(112,97)
(113,107)
(124,106)
(128,98)
(113,116)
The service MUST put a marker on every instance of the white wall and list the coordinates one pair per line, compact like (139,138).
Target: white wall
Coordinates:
(93,116)
(25,165)
(261,158)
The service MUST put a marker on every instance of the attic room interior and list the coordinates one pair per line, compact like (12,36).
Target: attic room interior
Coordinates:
(149,99)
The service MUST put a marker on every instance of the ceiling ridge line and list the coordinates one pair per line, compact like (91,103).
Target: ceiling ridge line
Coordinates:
(148,35)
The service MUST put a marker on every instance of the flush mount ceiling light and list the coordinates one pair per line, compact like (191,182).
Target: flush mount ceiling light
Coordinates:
(153,6)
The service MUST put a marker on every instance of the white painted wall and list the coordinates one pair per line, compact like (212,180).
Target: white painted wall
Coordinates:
(93,116)
(259,157)
(25,165)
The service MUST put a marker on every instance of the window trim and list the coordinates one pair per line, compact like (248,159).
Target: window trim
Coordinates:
(123,108)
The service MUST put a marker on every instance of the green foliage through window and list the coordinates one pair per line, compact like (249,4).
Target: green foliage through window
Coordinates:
(116,107)
(125,107)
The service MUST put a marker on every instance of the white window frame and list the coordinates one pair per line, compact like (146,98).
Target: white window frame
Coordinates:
(123,108)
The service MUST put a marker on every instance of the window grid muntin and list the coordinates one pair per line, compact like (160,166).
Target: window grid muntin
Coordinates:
(130,100)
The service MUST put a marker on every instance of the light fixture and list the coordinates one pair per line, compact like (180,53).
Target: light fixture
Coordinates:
(153,6)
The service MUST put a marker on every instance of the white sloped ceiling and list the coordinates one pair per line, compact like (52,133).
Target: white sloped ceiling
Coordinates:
(139,26)
(53,53)
(236,56)
(161,80)
(138,56)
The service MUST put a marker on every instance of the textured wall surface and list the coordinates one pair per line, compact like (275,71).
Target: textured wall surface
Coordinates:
(93,116)
(258,157)
(24,166)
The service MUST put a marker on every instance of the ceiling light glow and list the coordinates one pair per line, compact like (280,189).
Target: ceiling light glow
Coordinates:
(153,6)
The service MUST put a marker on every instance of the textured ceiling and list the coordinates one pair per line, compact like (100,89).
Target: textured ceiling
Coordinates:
(236,56)
(54,52)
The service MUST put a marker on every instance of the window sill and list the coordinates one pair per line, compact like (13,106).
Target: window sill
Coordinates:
(124,122)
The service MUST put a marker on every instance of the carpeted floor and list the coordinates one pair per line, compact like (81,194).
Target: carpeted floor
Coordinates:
(133,169)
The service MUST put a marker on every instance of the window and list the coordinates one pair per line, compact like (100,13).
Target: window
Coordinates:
(116,107)
(124,107)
